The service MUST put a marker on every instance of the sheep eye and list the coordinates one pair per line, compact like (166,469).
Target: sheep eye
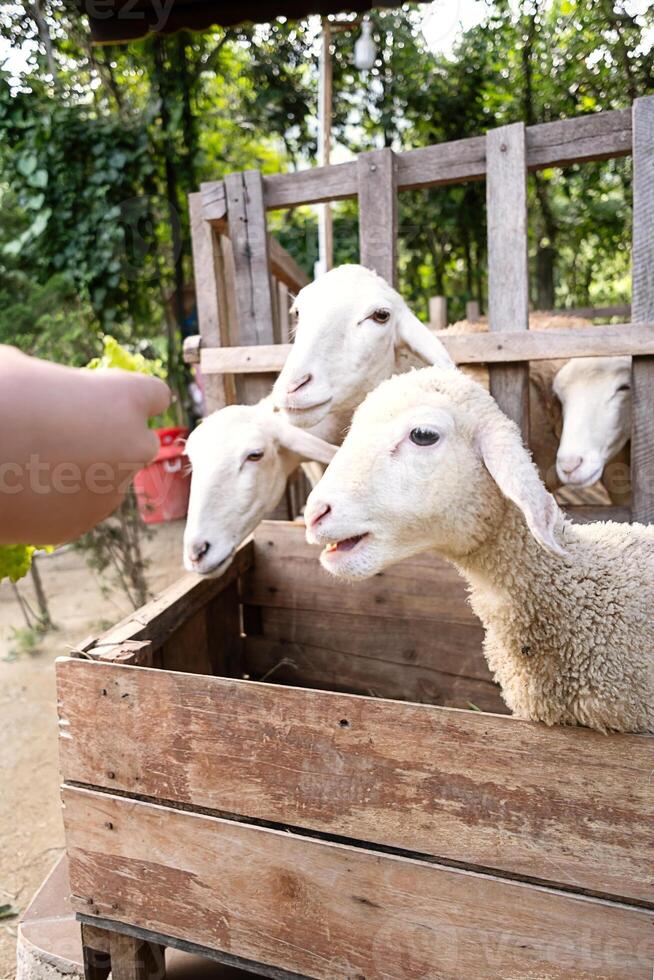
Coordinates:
(255,456)
(381,316)
(624,388)
(424,437)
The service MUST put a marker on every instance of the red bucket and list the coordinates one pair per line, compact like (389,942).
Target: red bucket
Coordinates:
(162,488)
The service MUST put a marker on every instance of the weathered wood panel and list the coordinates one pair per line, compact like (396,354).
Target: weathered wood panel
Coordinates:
(330,911)
(598,136)
(508,271)
(562,805)
(304,664)
(135,959)
(642,437)
(252,282)
(210,297)
(286,574)
(377,183)
(481,348)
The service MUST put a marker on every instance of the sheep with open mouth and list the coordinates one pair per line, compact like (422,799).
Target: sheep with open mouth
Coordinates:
(431,463)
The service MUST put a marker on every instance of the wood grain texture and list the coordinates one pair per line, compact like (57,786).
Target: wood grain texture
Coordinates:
(598,136)
(377,193)
(475,348)
(562,805)
(508,271)
(135,959)
(285,268)
(286,574)
(383,657)
(331,911)
(209,294)
(252,283)
(642,433)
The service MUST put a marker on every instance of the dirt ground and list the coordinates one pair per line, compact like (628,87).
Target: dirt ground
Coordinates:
(31,834)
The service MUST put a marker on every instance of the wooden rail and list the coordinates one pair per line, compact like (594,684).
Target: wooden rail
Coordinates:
(600,136)
(502,347)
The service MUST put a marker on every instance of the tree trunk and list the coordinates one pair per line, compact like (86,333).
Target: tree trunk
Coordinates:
(39,591)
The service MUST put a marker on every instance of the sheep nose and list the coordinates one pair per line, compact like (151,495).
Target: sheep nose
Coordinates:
(197,551)
(568,464)
(314,513)
(298,383)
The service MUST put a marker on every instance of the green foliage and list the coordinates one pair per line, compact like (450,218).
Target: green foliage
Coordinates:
(16,560)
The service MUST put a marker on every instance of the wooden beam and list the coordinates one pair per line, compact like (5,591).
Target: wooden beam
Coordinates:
(642,434)
(210,296)
(476,348)
(508,271)
(285,268)
(252,283)
(377,193)
(328,910)
(598,136)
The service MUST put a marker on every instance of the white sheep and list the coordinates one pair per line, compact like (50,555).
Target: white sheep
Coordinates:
(546,415)
(351,332)
(432,463)
(595,398)
(241,457)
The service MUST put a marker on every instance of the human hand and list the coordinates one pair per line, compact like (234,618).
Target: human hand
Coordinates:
(70,443)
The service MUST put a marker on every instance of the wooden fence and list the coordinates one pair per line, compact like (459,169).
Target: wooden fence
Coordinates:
(238,333)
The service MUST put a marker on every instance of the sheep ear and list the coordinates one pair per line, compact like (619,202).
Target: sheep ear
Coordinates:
(303,443)
(421,340)
(509,464)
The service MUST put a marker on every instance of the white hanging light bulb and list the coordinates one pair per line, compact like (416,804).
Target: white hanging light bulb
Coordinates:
(365,49)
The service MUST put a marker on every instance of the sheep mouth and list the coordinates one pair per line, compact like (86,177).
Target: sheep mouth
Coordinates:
(299,409)
(347,544)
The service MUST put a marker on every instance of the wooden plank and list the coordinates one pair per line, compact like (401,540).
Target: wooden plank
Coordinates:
(223,631)
(642,433)
(475,348)
(135,959)
(436,781)
(209,278)
(622,310)
(158,619)
(304,664)
(252,283)
(508,271)
(286,574)
(285,268)
(598,136)
(332,911)
(284,302)
(377,192)
(245,968)
(95,953)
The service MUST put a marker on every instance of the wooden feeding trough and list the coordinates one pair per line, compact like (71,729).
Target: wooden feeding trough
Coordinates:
(274,769)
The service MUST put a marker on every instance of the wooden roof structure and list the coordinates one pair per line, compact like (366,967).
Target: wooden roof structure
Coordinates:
(120,21)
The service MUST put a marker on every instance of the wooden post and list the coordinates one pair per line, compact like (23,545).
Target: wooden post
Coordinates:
(642,306)
(508,276)
(95,953)
(438,313)
(252,283)
(284,313)
(211,300)
(377,188)
(325,96)
(472,311)
(135,959)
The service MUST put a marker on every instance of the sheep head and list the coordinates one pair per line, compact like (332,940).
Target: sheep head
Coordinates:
(428,464)
(349,324)
(595,396)
(241,457)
